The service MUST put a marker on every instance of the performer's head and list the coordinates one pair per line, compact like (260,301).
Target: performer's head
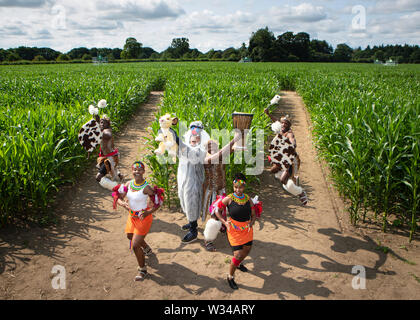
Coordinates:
(239,183)
(195,140)
(286,123)
(105,123)
(138,169)
(196,135)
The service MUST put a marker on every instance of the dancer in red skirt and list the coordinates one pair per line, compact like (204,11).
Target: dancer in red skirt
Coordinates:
(139,221)
(241,219)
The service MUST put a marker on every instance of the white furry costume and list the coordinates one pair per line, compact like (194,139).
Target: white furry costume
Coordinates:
(191,173)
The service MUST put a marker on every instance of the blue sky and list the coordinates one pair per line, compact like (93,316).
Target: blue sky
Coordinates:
(63,24)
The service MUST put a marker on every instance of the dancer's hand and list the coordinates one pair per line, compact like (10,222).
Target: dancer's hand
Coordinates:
(126,206)
(227,225)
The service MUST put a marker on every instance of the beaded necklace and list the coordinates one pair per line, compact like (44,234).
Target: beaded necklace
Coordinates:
(239,200)
(136,187)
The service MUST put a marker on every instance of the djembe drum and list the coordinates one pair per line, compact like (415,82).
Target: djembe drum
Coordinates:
(241,121)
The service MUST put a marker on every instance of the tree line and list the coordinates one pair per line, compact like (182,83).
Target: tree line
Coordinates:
(263,46)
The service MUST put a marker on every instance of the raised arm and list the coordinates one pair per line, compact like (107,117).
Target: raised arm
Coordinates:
(273,118)
(227,149)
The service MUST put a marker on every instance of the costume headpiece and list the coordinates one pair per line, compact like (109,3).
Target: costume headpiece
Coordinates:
(197,128)
(138,164)
(286,118)
(239,181)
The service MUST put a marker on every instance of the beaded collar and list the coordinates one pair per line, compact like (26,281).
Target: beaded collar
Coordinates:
(136,187)
(239,200)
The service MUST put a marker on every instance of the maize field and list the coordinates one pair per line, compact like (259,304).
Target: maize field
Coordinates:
(366,124)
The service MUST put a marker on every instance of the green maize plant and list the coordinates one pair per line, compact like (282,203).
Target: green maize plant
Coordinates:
(365,118)
(211,96)
(41,112)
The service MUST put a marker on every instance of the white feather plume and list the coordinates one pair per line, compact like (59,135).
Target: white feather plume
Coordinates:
(276,127)
(275,100)
(102,104)
(93,110)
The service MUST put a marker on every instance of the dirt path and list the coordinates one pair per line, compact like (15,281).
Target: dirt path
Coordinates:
(299,252)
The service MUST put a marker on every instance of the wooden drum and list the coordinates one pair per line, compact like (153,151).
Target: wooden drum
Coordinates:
(241,121)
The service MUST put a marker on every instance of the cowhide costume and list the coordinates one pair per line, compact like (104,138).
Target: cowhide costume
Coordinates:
(283,154)
(90,135)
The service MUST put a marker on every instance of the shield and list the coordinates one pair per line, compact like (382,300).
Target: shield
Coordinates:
(282,152)
(90,135)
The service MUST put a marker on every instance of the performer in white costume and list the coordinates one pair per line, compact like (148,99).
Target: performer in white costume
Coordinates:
(190,176)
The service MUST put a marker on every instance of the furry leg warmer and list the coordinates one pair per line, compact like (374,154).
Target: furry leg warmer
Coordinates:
(292,188)
(107,183)
(212,229)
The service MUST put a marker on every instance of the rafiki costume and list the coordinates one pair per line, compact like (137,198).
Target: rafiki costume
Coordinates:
(190,175)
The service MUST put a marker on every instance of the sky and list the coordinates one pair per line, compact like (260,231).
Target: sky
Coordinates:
(211,24)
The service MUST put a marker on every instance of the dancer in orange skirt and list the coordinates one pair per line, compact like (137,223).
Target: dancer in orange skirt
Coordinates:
(239,225)
(140,218)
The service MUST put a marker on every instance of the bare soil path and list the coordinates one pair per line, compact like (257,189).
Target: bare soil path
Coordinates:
(299,252)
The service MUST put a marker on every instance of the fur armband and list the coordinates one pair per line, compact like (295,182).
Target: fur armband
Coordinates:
(158,198)
(257,205)
(118,192)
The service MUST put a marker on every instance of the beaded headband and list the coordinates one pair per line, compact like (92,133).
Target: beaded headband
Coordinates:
(138,164)
(240,182)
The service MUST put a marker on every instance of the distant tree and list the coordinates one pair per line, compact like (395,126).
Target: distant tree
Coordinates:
(167,54)
(63,57)
(180,46)
(260,45)
(26,53)
(146,52)
(231,54)
(379,55)
(210,53)
(3,54)
(243,51)
(77,53)
(217,55)
(13,56)
(195,53)
(285,42)
(39,58)
(132,49)
(93,52)
(343,53)
(110,57)
(155,55)
(301,46)
(186,56)
(49,54)
(116,52)
(321,51)
(86,57)
(415,56)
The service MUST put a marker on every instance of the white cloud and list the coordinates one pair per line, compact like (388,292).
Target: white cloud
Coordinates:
(139,9)
(23,3)
(208,24)
(395,6)
(305,12)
